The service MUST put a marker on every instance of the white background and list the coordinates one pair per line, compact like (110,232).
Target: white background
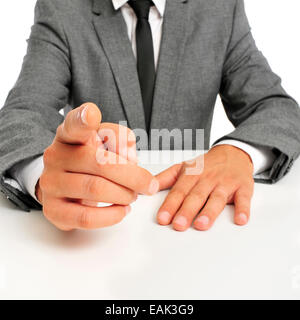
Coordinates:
(275,25)
(258,265)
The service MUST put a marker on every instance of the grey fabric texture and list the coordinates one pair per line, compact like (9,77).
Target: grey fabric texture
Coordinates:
(79,51)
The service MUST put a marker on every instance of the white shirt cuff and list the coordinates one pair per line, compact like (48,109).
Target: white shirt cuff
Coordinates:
(27,173)
(262,157)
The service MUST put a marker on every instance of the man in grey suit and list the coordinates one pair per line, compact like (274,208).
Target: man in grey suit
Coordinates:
(156,65)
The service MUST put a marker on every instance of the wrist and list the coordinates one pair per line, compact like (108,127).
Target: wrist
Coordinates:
(235,152)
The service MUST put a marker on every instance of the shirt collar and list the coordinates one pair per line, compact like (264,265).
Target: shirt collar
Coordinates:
(160,5)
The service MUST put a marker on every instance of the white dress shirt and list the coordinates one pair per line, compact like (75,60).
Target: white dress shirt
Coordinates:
(28,172)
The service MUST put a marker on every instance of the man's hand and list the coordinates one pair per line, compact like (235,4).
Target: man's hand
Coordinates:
(85,165)
(227,177)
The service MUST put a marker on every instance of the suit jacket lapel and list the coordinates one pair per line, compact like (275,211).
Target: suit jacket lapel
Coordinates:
(112,32)
(171,51)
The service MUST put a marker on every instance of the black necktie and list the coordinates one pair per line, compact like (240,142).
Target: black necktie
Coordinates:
(145,54)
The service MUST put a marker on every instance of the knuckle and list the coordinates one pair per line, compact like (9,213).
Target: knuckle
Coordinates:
(230,181)
(221,194)
(212,175)
(59,129)
(195,196)
(84,218)
(49,156)
(201,187)
(91,186)
(244,196)
(45,181)
(131,197)
(66,126)
(177,193)
(246,191)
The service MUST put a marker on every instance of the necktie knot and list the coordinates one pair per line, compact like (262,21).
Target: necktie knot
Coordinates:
(141,8)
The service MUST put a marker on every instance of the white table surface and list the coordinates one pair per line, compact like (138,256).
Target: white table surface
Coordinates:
(138,259)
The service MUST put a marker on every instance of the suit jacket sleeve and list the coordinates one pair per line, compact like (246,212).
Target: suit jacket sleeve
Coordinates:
(30,116)
(255,102)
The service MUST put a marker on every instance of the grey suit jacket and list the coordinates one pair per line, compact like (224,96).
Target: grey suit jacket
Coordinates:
(79,51)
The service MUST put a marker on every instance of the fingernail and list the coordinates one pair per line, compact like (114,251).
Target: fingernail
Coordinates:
(154,186)
(202,222)
(127,209)
(164,217)
(241,219)
(181,221)
(83,115)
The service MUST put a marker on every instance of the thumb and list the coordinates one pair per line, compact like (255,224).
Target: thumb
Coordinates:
(168,177)
(79,124)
